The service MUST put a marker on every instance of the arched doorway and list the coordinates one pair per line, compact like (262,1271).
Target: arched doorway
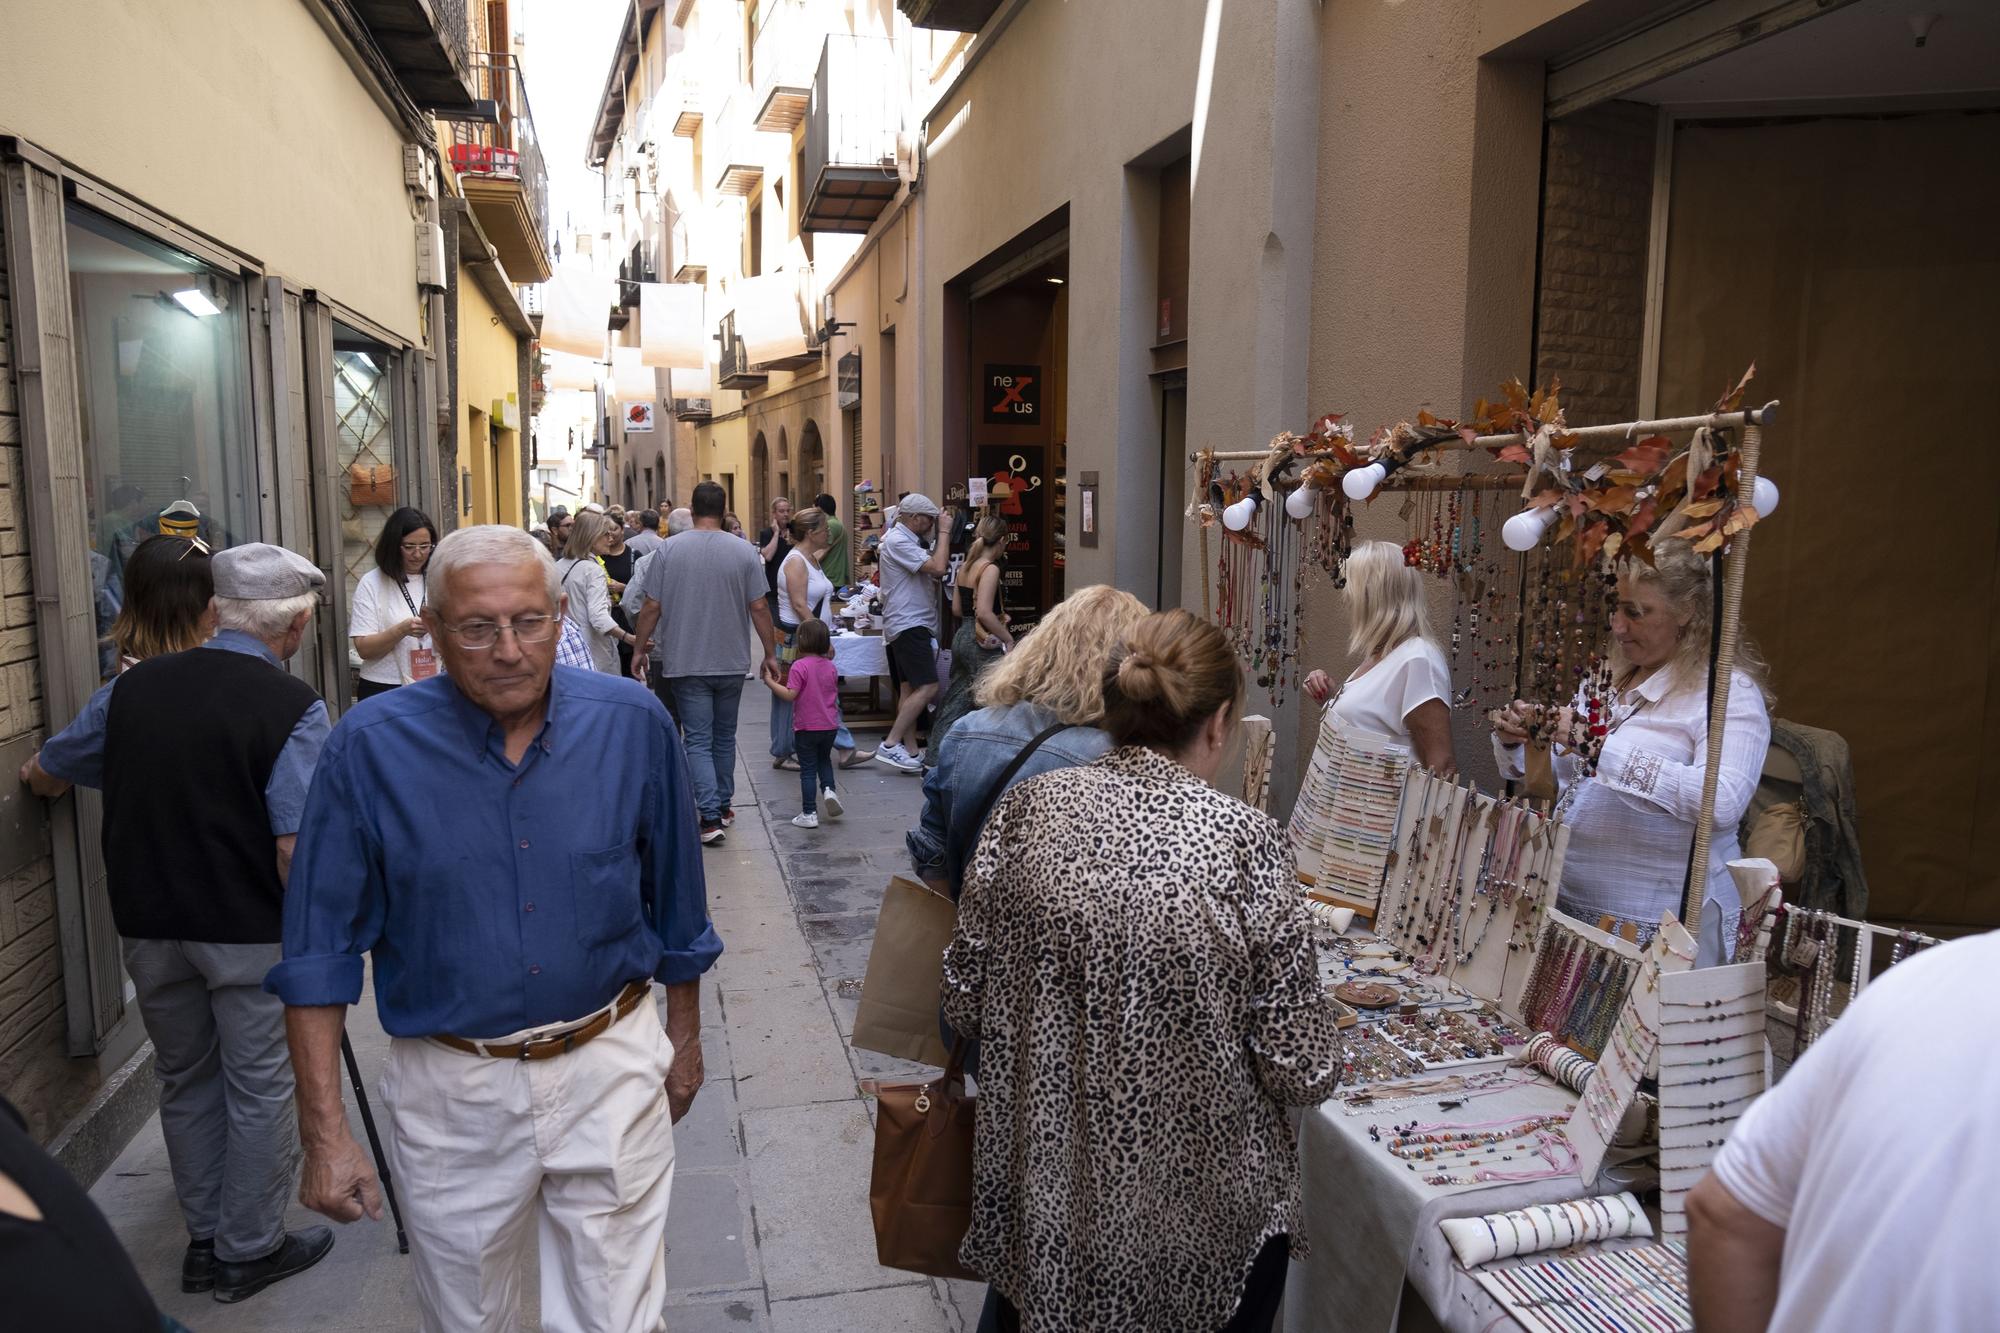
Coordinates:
(760,482)
(658,500)
(812,462)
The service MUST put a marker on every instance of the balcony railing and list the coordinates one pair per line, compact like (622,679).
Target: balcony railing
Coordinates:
(688,256)
(736,163)
(734,371)
(850,139)
(424,43)
(506,152)
(781,64)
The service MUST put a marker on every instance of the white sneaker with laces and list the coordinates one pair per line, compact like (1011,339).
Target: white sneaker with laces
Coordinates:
(829,801)
(892,755)
(805,819)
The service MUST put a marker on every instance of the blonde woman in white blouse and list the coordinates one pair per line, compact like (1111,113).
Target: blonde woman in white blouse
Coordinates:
(1632,824)
(1402,689)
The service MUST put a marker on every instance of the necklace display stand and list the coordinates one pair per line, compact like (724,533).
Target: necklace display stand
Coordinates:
(1633,1050)
(1713,1062)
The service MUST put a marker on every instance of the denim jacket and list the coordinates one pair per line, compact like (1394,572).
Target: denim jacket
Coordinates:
(958,792)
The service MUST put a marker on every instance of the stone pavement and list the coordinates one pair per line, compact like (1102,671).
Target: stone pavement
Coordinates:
(769,1226)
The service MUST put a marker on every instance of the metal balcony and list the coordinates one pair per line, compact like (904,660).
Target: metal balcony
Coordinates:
(781,65)
(692,408)
(950,15)
(734,370)
(424,42)
(500,169)
(684,102)
(850,139)
(689,260)
(738,157)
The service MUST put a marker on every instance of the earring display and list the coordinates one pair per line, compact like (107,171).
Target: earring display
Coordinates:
(1344,823)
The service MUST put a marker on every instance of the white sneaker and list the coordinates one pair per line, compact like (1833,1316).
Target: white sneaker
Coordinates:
(829,801)
(805,819)
(896,757)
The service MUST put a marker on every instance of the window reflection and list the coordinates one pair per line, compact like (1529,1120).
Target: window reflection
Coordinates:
(159,339)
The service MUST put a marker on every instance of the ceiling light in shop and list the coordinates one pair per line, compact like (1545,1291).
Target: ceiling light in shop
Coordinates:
(197,302)
(1058,281)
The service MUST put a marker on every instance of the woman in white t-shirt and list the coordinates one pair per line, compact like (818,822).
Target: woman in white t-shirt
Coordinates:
(386,622)
(1402,689)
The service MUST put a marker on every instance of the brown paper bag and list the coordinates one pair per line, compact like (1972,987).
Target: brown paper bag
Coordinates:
(899,996)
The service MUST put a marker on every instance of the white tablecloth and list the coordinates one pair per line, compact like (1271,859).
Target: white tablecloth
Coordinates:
(860,655)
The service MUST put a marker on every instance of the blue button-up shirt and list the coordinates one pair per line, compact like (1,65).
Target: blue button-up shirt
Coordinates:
(76,753)
(496,896)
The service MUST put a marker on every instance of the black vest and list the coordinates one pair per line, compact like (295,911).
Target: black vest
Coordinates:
(189,743)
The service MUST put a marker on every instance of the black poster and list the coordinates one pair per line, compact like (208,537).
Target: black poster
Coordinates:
(1016,491)
(1013,395)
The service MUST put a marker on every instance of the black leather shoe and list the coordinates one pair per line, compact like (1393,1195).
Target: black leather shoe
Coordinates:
(301,1250)
(198,1266)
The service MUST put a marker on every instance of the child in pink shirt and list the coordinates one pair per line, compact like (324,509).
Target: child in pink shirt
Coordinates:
(813,688)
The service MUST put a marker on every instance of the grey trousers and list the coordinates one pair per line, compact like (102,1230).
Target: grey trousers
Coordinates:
(225,1087)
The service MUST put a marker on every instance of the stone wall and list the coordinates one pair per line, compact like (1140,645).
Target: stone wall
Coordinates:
(1597,203)
(35,1073)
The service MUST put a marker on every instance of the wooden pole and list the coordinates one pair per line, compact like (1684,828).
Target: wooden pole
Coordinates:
(1726,631)
(1749,416)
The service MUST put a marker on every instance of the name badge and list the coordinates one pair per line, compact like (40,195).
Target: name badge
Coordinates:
(423,663)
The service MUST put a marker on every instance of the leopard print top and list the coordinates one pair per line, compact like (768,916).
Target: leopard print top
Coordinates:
(1133,954)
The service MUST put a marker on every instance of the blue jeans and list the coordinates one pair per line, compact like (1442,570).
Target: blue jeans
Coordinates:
(815,767)
(708,707)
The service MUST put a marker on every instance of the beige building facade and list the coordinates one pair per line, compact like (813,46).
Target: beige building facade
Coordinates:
(222,281)
(1392,207)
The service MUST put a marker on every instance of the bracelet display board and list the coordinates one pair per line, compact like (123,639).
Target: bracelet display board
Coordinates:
(1644,1287)
(1343,825)
(1713,1062)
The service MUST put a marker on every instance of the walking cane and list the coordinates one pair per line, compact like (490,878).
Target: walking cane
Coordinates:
(374,1141)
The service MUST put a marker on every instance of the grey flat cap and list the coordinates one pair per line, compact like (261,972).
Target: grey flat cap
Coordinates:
(915,505)
(256,572)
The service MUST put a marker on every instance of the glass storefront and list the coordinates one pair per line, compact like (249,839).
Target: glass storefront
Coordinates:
(364,444)
(162,382)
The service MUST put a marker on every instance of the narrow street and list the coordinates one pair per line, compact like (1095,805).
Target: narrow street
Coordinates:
(769,1227)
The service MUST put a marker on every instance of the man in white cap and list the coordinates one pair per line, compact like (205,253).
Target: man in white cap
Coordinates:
(204,758)
(910,574)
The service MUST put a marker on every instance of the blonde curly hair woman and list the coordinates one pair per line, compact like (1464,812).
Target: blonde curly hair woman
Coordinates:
(1054,679)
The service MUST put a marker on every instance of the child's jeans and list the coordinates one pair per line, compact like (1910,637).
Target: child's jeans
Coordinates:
(815,766)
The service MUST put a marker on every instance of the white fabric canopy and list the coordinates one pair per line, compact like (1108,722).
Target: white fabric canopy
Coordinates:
(769,318)
(576,305)
(570,371)
(672,329)
(691,382)
(631,379)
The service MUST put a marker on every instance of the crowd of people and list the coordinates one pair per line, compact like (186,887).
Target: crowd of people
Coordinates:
(1132,974)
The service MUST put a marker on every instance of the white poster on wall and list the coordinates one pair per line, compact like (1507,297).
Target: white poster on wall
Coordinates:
(673,331)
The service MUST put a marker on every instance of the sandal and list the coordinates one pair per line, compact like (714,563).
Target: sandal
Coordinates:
(788,763)
(855,758)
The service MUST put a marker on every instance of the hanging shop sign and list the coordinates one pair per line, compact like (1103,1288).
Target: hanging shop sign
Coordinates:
(638,418)
(1013,395)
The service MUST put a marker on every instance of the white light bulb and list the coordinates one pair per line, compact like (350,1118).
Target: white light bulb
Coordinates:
(1302,502)
(1764,496)
(1525,530)
(1237,517)
(1360,482)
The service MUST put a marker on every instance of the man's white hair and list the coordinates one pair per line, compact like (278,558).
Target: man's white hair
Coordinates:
(488,544)
(679,521)
(261,618)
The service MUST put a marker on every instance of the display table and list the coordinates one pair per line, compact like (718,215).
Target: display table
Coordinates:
(1368,1215)
(860,655)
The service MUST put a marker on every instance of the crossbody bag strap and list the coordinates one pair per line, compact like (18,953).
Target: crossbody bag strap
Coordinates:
(1008,774)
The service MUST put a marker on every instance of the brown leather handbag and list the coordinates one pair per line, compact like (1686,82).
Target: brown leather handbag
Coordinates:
(921,1189)
(371,487)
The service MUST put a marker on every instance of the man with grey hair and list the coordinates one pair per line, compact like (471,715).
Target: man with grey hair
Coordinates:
(204,758)
(520,896)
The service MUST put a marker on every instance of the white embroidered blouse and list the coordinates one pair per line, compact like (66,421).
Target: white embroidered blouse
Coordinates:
(1632,825)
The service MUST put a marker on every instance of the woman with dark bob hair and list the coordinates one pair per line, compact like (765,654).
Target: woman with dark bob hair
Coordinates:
(386,621)
(168,591)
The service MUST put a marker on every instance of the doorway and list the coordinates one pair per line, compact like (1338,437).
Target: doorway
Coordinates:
(1173,482)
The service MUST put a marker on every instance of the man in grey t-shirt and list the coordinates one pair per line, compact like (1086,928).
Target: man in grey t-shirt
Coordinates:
(909,574)
(705,591)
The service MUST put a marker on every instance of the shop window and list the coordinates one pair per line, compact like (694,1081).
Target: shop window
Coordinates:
(164,395)
(364,444)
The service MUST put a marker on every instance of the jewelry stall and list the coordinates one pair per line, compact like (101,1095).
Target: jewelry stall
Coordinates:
(1527,1097)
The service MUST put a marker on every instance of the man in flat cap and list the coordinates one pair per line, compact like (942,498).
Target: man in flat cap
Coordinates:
(204,758)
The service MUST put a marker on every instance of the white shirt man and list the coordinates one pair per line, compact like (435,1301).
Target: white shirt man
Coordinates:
(1858,1196)
(910,573)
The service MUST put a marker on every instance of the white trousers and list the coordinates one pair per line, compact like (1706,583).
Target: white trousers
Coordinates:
(580,1148)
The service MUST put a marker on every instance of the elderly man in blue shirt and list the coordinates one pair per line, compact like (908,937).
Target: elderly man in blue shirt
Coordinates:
(204,758)
(519,897)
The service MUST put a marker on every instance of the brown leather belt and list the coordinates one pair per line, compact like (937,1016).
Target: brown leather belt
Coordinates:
(556,1043)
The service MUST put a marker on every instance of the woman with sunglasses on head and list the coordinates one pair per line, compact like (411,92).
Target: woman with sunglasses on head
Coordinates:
(386,623)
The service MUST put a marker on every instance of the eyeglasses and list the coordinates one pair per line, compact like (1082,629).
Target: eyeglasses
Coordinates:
(485,633)
(416,546)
